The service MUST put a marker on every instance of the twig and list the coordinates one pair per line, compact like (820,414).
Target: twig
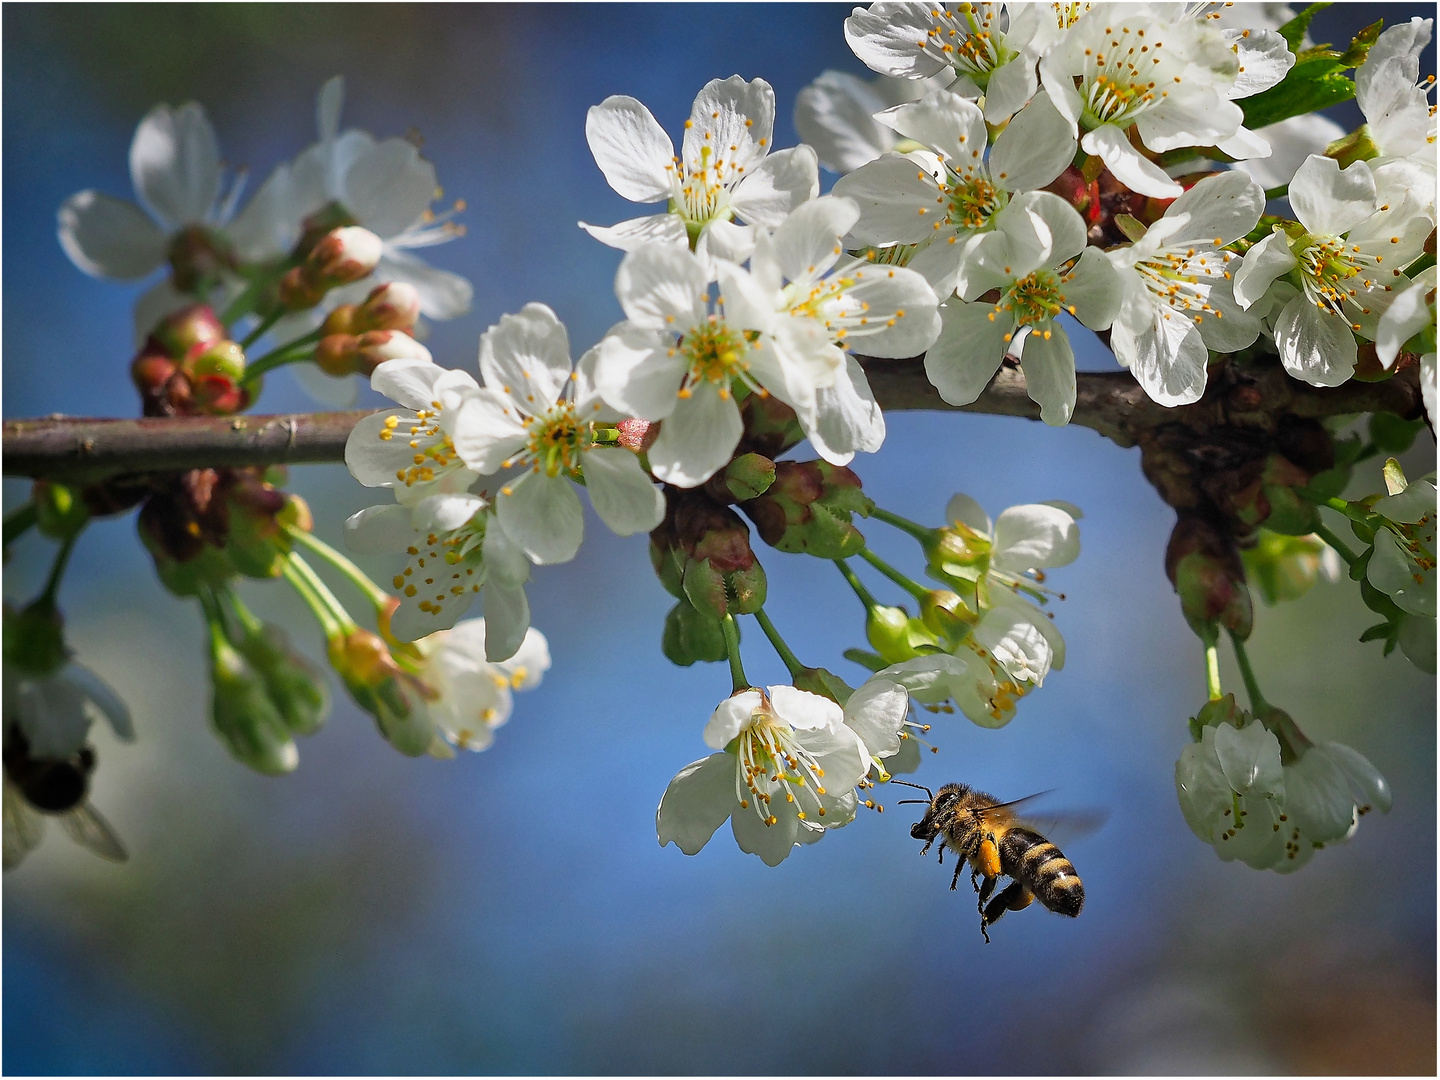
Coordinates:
(1111,403)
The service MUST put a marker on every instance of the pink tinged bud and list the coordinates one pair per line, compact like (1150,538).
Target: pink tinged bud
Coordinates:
(342,256)
(180,331)
(220,358)
(1204,565)
(341,320)
(637,435)
(345,255)
(352,354)
(392,306)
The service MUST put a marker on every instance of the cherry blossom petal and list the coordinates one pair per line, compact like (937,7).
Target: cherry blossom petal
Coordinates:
(628,235)
(108,237)
(696,803)
(631,148)
(968,351)
(1314,346)
(776,186)
(1329,200)
(543,515)
(697,439)
(835,114)
(1050,372)
(624,497)
(526,356)
(1127,164)
(1034,536)
(735,118)
(1035,147)
(175,164)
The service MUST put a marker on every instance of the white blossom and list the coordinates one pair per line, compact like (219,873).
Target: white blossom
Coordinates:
(537,413)
(468,695)
(1232,792)
(54,710)
(1402,564)
(411,450)
(1032,261)
(455,550)
(976,49)
(830,305)
(1176,279)
(387,187)
(786,771)
(1171,81)
(1348,261)
(1399,118)
(726,170)
(682,354)
(946,198)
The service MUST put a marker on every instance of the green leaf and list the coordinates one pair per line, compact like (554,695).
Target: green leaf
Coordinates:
(1312,84)
(1394,477)
(1294,31)
(1391,434)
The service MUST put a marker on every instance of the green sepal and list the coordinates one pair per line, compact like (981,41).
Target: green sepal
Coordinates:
(865,659)
(690,636)
(825,683)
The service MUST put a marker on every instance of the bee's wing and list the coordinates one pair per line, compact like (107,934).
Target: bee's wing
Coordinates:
(88,829)
(23,827)
(1058,825)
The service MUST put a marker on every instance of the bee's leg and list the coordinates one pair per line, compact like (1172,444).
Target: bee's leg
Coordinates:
(984,893)
(974,874)
(1014,898)
(926,848)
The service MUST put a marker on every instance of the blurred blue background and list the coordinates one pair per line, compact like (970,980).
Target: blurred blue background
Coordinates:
(510,911)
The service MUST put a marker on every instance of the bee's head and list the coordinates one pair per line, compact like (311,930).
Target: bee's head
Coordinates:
(941,806)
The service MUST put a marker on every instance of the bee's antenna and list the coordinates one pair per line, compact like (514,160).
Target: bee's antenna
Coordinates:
(917,787)
(902,802)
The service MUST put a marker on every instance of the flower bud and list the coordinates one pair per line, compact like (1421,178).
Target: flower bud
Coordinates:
(959,555)
(246,719)
(946,615)
(342,256)
(1204,565)
(184,525)
(150,372)
(35,639)
(295,686)
(771,426)
(896,636)
(180,331)
(807,510)
(690,636)
(256,542)
(216,358)
(361,354)
(392,306)
(1287,567)
(378,685)
(637,435)
(60,512)
(746,477)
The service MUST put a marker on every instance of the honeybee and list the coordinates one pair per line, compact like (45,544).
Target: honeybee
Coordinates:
(37,788)
(986,833)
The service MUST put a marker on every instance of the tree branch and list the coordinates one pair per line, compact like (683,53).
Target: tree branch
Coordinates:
(78,449)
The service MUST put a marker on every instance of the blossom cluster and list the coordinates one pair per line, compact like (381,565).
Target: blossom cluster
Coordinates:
(1034,164)
(1156,175)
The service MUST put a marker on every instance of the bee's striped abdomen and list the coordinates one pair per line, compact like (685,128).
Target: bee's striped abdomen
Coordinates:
(1027,856)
